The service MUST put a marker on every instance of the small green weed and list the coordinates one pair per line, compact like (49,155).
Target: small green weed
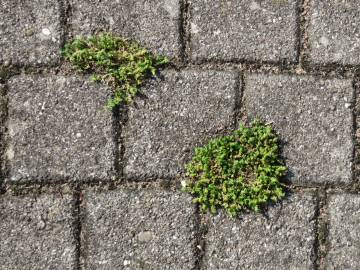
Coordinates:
(118,62)
(237,172)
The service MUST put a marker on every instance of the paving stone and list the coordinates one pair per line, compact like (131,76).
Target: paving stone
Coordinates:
(334,32)
(37,232)
(313,117)
(30,32)
(180,112)
(59,129)
(344,236)
(283,240)
(139,229)
(155,24)
(244,30)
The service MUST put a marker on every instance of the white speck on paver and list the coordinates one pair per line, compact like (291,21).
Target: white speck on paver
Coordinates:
(10,153)
(171,6)
(78,135)
(46,32)
(324,41)
(254,5)
(126,262)
(194,28)
(347,105)
(145,236)
(217,32)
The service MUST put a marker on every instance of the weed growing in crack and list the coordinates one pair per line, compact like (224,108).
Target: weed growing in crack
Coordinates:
(118,62)
(237,172)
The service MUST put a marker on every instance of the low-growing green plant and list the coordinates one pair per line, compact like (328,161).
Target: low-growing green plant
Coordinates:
(237,172)
(121,63)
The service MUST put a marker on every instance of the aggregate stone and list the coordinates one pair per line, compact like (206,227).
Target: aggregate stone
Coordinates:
(313,117)
(282,240)
(344,228)
(155,24)
(30,32)
(334,32)
(183,110)
(37,232)
(138,229)
(59,129)
(244,30)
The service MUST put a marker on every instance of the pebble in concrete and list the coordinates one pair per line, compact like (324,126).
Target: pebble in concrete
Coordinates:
(183,110)
(59,129)
(244,30)
(313,117)
(282,240)
(139,229)
(344,228)
(334,32)
(37,232)
(30,32)
(155,24)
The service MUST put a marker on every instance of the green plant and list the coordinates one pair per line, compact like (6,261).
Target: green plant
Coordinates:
(121,63)
(237,172)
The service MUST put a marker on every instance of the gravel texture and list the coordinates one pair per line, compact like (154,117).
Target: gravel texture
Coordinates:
(58,129)
(155,24)
(244,30)
(334,32)
(37,232)
(283,239)
(30,32)
(139,229)
(344,228)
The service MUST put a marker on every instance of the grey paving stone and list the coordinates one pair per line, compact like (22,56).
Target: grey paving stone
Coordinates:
(180,112)
(283,240)
(59,129)
(30,32)
(334,32)
(134,229)
(244,30)
(344,237)
(314,119)
(37,232)
(155,24)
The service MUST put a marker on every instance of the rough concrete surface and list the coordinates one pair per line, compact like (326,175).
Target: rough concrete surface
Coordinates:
(155,24)
(30,32)
(284,239)
(314,118)
(334,32)
(136,229)
(58,129)
(244,30)
(37,232)
(178,112)
(344,232)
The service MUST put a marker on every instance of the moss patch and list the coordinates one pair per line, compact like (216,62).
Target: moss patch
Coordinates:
(237,172)
(118,62)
